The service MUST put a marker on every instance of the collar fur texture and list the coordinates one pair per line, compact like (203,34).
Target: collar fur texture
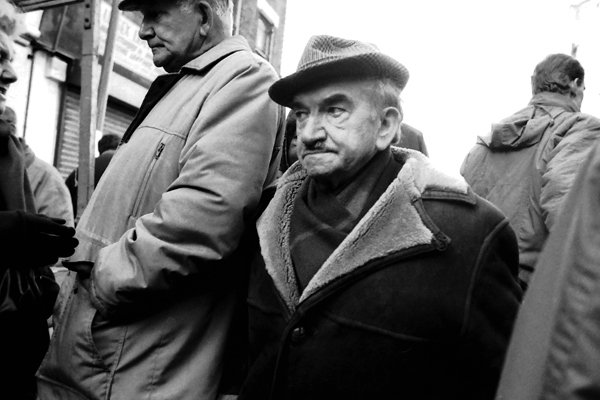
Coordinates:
(391,225)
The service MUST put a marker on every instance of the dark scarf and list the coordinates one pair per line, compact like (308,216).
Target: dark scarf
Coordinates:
(15,191)
(321,220)
(158,89)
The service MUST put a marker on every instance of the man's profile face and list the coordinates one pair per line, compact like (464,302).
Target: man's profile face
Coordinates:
(172,32)
(337,128)
(7,72)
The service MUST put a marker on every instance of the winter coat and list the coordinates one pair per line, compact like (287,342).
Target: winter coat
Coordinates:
(555,350)
(23,332)
(50,191)
(417,302)
(163,229)
(527,165)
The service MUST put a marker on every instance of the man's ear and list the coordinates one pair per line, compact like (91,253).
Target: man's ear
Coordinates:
(391,117)
(206,11)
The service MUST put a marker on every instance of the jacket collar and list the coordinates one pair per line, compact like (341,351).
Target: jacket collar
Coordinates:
(393,224)
(215,54)
(550,99)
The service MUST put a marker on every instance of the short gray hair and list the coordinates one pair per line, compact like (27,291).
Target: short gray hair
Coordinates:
(11,21)
(219,6)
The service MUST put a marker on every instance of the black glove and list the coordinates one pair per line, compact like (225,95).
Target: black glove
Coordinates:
(35,240)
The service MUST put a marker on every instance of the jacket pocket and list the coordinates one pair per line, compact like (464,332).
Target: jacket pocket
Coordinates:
(143,187)
(106,340)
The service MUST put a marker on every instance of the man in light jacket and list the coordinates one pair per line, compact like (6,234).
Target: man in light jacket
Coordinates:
(527,163)
(148,312)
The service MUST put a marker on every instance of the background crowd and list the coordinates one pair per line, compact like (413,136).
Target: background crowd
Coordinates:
(232,251)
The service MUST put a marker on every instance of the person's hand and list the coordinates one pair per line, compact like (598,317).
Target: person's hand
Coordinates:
(34,239)
(83,269)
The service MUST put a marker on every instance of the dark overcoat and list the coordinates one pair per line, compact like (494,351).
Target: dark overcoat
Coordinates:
(417,302)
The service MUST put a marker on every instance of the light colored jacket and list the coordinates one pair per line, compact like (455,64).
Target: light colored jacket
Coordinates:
(555,348)
(51,194)
(162,228)
(527,164)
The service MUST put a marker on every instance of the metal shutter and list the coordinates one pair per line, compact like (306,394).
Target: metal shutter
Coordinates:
(116,121)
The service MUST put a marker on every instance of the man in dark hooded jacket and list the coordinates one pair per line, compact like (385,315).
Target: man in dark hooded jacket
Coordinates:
(528,161)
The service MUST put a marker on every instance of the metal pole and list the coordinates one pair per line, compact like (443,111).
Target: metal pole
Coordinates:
(107,64)
(88,103)
(238,17)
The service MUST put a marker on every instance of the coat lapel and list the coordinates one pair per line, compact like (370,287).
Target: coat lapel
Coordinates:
(393,224)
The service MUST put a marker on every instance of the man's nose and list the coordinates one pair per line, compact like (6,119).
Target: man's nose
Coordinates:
(312,130)
(8,74)
(146,31)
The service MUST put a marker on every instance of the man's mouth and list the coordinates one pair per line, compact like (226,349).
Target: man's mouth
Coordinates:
(3,90)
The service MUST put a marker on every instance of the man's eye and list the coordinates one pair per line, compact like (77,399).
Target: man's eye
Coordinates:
(300,115)
(336,111)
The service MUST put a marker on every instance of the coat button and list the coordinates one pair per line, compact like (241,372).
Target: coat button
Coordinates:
(298,334)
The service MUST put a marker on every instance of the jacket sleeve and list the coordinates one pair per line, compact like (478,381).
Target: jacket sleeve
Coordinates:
(200,219)
(562,163)
(492,309)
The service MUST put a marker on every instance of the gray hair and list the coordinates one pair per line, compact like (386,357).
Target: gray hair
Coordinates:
(219,6)
(11,21)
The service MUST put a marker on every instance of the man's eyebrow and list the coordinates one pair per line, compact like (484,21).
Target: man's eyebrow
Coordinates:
(335,98)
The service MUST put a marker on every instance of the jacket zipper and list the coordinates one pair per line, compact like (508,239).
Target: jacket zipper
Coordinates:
(143,186)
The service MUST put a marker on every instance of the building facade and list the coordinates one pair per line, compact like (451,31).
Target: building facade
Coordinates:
(47,60)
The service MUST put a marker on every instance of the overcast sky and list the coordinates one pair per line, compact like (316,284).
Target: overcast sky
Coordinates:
(470,60)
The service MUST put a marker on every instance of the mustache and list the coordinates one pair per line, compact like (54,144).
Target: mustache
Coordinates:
(314,147)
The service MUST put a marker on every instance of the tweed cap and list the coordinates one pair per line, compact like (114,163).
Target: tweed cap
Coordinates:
(326,58)
(133,5)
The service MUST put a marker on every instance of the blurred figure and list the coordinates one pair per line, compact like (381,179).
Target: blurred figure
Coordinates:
(555,347)
(378,276)
(30,243)
(149,308)
(49,190)
(411,138)
(289,155)
(107,145)
(527,163)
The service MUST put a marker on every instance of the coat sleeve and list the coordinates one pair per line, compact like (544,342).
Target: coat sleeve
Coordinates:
(492,309)
(200,219)
(562,163)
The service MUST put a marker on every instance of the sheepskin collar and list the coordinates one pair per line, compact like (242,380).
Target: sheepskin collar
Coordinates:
(391,225)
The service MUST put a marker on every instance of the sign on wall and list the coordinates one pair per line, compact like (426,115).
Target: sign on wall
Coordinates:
(32,5)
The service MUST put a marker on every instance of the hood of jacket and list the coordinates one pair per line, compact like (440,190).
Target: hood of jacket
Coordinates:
(526,127)
(391,225)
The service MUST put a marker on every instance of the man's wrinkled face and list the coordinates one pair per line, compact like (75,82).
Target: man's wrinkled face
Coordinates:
(337,129)
(7,72)
(172,32)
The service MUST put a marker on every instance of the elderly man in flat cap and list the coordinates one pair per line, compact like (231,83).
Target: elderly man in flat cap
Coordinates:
(379,276)
(147,313)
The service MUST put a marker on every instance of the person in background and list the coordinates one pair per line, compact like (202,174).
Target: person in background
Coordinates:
(411,138)
(378,276)
(107,145)
(526,164)
(49,190)
(30,243)
(289,155)
(555,348)
(151,298)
